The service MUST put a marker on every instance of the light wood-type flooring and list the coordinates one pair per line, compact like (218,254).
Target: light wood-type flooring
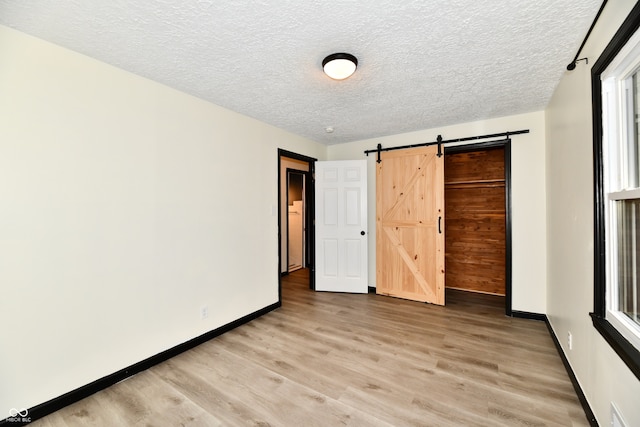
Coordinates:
(331,359)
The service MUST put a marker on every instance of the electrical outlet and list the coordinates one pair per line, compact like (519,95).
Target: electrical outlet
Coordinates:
(570,340)
(204,312)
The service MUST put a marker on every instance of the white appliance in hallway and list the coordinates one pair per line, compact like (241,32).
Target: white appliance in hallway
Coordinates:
(296,235)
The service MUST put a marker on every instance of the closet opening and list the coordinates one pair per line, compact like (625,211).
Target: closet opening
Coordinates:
(478,219)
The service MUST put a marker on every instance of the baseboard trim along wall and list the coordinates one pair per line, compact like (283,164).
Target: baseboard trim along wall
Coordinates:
(80,393)
(583,400)
(576,386)
(46,408)
(528,315)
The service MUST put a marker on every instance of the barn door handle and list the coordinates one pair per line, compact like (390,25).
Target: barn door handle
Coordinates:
(439,225)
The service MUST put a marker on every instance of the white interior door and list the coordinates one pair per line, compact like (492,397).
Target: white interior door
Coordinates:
(341,226)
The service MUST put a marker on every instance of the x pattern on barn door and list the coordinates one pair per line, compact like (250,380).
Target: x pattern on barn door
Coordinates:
(409,225)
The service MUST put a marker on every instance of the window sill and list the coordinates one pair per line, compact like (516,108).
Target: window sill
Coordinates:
(627,352)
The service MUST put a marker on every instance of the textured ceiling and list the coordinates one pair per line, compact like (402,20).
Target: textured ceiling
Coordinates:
(422,64)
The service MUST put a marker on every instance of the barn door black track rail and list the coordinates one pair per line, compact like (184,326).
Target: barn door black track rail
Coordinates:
(440,142)
(572,64)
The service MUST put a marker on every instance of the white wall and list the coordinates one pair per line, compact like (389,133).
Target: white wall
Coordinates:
(125,206)
(528,191)
(602,375)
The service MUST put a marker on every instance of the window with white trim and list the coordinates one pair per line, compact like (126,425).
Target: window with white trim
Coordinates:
(615,84)
(621,151)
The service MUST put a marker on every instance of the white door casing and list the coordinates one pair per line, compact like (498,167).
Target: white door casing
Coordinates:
(341,226)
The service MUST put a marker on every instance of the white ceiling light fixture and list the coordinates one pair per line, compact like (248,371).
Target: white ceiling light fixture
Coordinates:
(339,66)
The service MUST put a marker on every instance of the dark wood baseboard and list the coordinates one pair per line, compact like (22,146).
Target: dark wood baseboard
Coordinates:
(576,386)
(583,400)
(80,393)
(528,315)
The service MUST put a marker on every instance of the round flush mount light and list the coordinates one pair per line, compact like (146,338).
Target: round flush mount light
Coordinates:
(339,66)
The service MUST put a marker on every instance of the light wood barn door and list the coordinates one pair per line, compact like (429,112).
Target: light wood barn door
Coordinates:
(410,225)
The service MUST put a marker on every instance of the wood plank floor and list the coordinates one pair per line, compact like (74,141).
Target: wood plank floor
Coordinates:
(328,359)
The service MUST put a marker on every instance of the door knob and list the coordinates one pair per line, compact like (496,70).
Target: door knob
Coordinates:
(362,233)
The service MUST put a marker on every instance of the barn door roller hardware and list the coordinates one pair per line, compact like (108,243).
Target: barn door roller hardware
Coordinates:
(440,142)
(572,64)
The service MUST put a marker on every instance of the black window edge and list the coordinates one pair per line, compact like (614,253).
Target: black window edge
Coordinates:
(625,350)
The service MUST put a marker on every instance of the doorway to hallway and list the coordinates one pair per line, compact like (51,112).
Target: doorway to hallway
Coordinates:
(296,233)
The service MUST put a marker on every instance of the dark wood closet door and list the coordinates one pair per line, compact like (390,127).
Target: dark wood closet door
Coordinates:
(475,246)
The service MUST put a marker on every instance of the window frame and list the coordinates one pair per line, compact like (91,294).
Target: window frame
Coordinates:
(621,345)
